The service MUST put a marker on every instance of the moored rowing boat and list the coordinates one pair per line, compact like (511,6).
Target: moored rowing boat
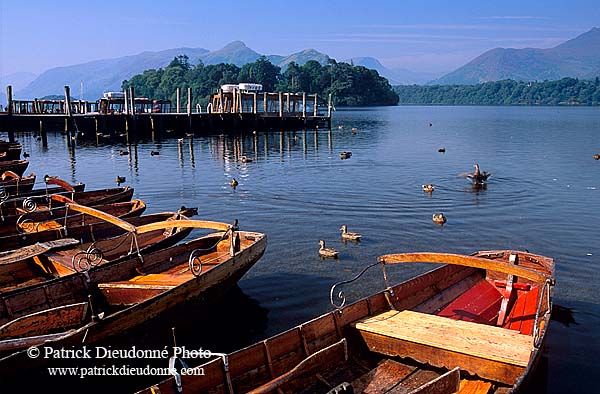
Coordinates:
(110,299)
(475,325)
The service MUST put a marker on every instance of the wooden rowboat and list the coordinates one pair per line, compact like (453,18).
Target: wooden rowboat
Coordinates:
(49,225)
(60,187)
(42,263)
(475,325)
(12,208)
(85,308)
(16,166)
(10,151)
(12,184)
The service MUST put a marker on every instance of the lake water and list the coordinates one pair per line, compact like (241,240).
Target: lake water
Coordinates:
(543,196)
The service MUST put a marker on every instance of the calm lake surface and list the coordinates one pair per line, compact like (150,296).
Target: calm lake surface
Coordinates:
(543,196)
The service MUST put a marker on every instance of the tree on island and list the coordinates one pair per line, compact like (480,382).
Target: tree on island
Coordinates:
(348,84)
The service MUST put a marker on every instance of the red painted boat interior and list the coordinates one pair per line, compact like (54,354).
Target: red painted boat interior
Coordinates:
(481,304)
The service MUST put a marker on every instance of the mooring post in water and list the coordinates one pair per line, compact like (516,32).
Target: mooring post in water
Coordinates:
(287,102)
(43,134)
(304,105)
(316,106)
(178,100)
(254,99)
(265,102)
(329,106)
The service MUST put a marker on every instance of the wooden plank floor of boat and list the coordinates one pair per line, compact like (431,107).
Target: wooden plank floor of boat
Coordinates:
(479,340)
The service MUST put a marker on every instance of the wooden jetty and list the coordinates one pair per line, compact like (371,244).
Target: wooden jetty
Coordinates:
(131,117)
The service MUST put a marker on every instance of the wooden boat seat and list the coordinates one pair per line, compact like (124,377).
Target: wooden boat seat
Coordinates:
(464,337)
(63,262)
(522,314)
(145,286)
(479,304)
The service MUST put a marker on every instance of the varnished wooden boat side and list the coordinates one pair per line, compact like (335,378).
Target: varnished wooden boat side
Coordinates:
(420,365)
(16,166)
(42,226)
(215,278)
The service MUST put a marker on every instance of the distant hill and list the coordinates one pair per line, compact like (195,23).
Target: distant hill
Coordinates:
(302,57)
(107,75)
(576,58)
(396,76)
(234,53)
(101,75)
(18,81)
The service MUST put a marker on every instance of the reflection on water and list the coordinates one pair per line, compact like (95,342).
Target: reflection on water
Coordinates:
(543,197)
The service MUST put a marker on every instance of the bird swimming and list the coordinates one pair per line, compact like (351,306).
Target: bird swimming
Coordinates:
(350,236)
(120,179)
(442,150)
(478,177)
(327,252)
(429,188)
(438,218)
(233,183)
(245,159)
(345,155)
(154,153)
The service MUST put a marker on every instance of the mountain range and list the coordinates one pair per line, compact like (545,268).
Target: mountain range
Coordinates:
(93,78)
(577,58)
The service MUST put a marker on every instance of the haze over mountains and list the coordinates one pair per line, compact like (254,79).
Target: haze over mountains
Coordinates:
(107,74)
(578,57)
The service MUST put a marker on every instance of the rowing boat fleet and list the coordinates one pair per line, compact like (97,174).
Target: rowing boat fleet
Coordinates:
(80,267)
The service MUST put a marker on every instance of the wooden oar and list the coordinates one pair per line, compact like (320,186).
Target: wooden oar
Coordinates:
(468,261)
(182,223)
(99,214)
(26,252)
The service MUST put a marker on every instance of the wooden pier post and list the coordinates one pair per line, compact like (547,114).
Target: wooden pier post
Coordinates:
(189,109)
(68,113)
(9,103)
(254,100)
(280,105)
(9,99)
(132,100)
(133,116)
(329,106)
(316,106)
(304,105)
(126,102)
(178,100)
(287,103)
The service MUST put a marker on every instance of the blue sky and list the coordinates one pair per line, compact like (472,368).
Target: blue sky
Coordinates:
(433,36)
